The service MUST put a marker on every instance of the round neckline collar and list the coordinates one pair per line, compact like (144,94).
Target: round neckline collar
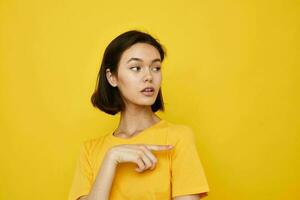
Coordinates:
(139,135)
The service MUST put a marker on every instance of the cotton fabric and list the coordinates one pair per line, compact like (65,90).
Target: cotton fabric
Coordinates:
(178,171)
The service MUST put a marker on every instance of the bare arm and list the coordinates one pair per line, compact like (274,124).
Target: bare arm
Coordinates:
(102,185)
(187,197)
(135,153)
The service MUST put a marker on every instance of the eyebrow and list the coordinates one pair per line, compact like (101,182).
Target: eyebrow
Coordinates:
(139,59)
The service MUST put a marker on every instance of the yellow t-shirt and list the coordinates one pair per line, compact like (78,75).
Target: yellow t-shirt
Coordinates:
(178,171)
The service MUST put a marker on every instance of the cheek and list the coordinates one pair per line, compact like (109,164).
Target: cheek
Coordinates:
(129,85)
(157,79)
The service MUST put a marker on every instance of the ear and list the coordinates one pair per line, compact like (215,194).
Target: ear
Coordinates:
(111,78)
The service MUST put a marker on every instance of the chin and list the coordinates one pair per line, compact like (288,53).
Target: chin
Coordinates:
(148,102)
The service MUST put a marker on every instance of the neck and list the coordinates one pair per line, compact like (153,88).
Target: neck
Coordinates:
(133,121)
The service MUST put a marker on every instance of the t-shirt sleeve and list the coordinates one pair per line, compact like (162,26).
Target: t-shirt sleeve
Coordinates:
(82,179)
(187,173)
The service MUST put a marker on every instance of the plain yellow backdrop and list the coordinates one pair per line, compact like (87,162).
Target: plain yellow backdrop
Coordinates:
(231,73)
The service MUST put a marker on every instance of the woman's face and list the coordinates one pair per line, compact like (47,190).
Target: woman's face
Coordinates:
(139,67)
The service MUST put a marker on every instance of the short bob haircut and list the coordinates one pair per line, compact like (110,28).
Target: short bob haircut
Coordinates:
(106,97)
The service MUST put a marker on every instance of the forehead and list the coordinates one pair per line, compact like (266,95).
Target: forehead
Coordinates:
(144,51)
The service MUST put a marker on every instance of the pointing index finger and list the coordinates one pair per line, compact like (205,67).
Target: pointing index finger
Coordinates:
(159,147)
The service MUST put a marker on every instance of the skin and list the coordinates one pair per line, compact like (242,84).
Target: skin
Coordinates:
(133,76)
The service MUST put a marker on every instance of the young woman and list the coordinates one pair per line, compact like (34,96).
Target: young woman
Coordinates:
(136,161)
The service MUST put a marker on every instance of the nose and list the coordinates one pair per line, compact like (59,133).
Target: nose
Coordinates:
(148,75)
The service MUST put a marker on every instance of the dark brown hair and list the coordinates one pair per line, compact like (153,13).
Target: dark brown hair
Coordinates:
(106,97)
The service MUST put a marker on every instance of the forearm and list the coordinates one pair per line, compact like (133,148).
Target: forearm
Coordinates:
(103,182)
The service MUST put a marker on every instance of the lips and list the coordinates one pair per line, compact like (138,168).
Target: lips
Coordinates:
(148,89)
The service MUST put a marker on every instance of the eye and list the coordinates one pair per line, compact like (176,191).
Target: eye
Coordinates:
(157,68)
(137,67)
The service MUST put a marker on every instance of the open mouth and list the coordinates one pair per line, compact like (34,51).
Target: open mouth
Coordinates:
(148,91)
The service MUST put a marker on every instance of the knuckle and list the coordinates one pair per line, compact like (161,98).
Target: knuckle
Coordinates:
(140,153)
(144,148)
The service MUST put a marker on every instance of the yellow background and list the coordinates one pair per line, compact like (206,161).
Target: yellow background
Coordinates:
(231,73)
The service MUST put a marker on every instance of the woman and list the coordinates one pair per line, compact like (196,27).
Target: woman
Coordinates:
(135,160)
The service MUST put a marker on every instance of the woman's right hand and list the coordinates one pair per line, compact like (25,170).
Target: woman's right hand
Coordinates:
(137,153)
